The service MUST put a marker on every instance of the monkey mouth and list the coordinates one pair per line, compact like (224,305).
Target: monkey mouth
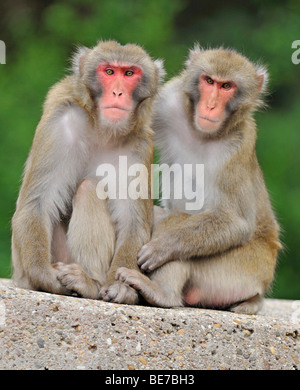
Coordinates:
(115,107)
(208,119)
(115,113)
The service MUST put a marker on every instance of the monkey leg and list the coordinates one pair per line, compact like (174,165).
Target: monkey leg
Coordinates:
(119,292)
(31,255)
(90,241)
(235,280)
(115,290)
(59,248)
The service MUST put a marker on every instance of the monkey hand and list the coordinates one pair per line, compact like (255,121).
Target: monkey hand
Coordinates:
(119,292)
(153,255)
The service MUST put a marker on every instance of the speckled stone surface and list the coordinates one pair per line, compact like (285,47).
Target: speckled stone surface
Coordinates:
(46,331)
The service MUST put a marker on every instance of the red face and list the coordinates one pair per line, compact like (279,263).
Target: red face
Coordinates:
(118,82)
(214,95)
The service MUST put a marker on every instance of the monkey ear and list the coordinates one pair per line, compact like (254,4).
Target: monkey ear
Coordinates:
(263,77)
(161,70)
(192,53)
(78,59)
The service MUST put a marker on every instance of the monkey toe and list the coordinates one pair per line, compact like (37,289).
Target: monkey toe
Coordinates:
(119,292)
(76,281)
(250,306)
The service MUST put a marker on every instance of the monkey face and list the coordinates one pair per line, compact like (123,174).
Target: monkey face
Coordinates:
(210,111)
(118,82)
(221,85)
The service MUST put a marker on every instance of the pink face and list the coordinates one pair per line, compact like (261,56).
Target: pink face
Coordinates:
(118,82)
(214,95)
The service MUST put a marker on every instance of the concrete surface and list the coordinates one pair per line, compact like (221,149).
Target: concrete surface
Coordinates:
(46,331)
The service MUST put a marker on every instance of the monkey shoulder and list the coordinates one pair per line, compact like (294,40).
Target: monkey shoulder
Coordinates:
(62,112)
(169,97)
(63,94)
(168,114)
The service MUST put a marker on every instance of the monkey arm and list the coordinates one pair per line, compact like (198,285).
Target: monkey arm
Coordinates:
(184,236)
(49,181)
(231,222)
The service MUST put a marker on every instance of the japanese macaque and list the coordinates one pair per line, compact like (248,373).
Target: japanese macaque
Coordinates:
(223,255)
(65,238)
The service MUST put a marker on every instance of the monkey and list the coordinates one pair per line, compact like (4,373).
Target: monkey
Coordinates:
(222,256)
(65,238)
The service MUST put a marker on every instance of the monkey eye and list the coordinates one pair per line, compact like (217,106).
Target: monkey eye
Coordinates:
(226,85)
(109,72)
(129,73)
(209,80)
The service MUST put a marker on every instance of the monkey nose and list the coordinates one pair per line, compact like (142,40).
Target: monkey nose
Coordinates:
(117,93)
(211,105)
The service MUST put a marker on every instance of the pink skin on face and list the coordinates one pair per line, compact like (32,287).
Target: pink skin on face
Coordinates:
(118,82)
(214,95)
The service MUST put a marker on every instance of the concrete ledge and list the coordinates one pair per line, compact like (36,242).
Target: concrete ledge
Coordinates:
(46,331)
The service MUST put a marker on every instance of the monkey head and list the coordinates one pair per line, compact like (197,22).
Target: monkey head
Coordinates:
(218,84)
(118,80)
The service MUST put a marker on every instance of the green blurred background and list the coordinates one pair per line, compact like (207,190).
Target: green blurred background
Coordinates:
(40,36)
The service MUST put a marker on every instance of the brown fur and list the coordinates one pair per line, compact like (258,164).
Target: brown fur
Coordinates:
(223,256)
(65,239)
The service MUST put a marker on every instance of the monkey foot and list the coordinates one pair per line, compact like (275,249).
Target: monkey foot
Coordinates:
(147,288)
(119,292)
(250,306)
(75,279)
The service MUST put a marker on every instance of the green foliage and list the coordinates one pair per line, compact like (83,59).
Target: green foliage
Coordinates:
(40,37)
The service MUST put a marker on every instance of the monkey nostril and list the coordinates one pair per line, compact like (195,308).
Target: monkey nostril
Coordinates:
(116,93)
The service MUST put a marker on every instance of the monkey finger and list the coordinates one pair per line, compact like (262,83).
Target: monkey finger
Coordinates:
(146,258)
(120,274)
(131,277)
(149,265)
(144,266)
(127,275)
(142,261)
(144,254)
